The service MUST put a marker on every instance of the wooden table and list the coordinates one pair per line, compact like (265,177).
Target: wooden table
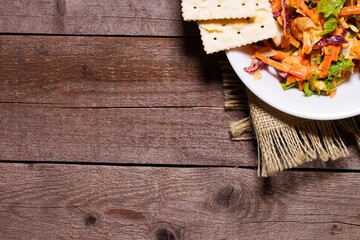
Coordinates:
(112,126)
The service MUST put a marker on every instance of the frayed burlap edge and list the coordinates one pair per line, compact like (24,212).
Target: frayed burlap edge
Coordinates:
(239,128)
(283,141)
(234,90)
(286,142)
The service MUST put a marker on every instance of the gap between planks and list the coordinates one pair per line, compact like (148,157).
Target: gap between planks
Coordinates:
(59,105)
(125,164)
(97,35)
(179,166)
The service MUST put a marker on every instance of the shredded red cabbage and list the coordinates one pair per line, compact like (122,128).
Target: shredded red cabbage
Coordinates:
(277,14)
(286,19)
(283,74)
(333,40)
(254,66)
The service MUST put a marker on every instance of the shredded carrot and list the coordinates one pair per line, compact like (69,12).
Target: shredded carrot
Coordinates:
(301,85)
(330,57)
(310,13)
(304,61)
(272,53)
(350,10)
(332,93)
(290,80)
(325,65)
(302,57)
(334,82)
(335,53)
(279,55)
(276,6)
(300,72)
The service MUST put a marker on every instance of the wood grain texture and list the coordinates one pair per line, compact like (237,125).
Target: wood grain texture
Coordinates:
(190,136)
(68,76)
(99,17)
(108,72)
(94,202)
(195,136)
(141,99)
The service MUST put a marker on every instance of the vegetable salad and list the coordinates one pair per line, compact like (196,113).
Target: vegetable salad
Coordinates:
(319,46)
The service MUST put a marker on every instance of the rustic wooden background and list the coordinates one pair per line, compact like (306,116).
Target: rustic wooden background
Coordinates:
(112,126)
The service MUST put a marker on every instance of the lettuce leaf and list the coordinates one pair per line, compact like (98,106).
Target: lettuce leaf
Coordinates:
(330,25)
(331,10)
(339,66)
(329,7)
(307,90)
(329,87)
(286,87)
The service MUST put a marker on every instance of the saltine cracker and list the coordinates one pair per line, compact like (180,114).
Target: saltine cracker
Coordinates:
(217,9)
(223,34)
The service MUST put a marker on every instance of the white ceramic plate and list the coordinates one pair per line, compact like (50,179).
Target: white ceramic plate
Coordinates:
(346,102)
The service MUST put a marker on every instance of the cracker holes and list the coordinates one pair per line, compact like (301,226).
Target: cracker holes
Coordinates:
(262,26)
(243,4)
(215,38)
(218,5)
(195,7)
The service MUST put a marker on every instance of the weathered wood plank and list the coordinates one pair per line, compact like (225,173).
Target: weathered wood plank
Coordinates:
(195,136)
(85,72)
(100,17)
(191,136)
(108,72)
(94,202)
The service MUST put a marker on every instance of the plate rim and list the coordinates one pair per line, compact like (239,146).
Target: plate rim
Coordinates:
(274,104)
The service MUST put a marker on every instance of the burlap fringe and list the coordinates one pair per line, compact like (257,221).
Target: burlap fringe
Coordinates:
(292,141)
(234,90)
(286,142)
(290,146)
(242,130)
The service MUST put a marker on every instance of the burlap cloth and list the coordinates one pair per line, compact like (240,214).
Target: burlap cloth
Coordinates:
(283,141)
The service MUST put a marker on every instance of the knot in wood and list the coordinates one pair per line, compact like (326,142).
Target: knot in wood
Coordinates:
(230,200)
(85,70)
(225,196)
(165,234)
(90,220)
(88,73)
